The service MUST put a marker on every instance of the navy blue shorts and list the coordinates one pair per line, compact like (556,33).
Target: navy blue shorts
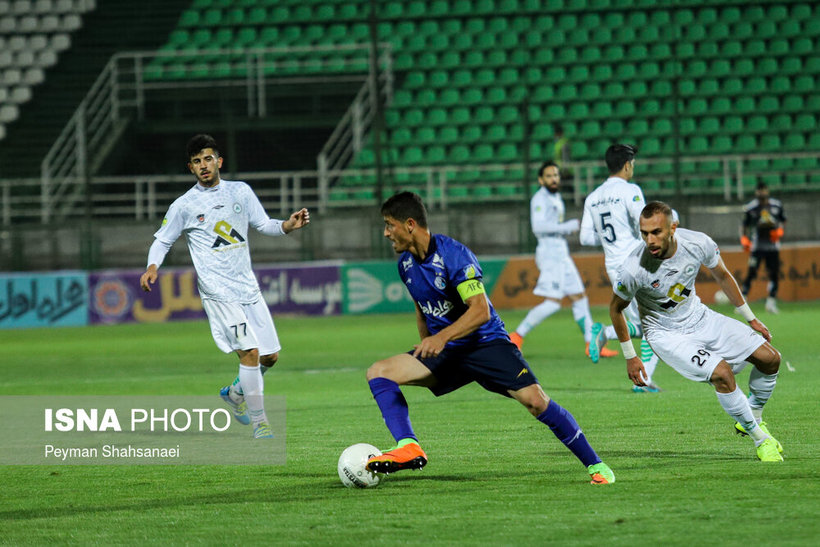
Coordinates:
(497,366)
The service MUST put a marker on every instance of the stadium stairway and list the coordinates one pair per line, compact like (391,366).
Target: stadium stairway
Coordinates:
(111,27)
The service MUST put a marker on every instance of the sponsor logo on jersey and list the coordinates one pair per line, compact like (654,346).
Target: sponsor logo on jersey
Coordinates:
(437,261)
(440,283)
(217,207)
(164,221)
(469,272)
(226,235)
(621,287)
(605,201)
(636,198)
(439,309)
(407,264)
(655,284)
(671,273)
(200,217)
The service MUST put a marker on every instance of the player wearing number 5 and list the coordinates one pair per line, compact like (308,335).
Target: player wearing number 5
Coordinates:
(214,215)
(700,344)
(610,219)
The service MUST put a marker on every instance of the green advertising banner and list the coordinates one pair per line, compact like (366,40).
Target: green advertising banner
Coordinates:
(375,287)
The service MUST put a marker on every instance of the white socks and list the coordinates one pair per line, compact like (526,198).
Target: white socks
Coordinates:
(580,312)
(737,406)
(250,378)
(536,315)
(649,360)
(760,388)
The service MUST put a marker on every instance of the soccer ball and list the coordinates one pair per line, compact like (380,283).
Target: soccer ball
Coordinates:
(351,466)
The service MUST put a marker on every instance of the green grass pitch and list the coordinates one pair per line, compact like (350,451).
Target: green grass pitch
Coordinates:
(496,476)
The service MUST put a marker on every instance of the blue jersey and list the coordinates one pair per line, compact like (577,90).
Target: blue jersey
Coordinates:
(433,285)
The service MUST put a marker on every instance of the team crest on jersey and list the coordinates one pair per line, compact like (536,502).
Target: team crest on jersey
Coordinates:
(407,264)
(200,217)
(437,261)
(689,270)
(469,272)
(636,198)
(655,284)
(440,283)
(237,208)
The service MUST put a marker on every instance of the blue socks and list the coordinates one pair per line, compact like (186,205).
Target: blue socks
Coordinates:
(394,408)
(564,426)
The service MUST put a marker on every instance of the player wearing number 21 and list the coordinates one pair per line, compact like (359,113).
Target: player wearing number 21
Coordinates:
(700,344)
(214,215)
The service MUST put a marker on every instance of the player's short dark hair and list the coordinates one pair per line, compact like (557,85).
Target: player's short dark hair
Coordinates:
(546,164)
(200,142)
(654,207)
(762,186)
(405,205)
(617,155)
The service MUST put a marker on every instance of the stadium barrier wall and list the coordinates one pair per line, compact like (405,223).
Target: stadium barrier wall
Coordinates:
(74,298)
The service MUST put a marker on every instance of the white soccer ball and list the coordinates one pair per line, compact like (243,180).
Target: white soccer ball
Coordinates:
(352,466)
(721,298)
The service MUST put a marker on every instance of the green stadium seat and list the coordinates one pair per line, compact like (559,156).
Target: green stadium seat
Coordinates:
(793,103)
(794,142)
(770,142)
(757,124)
(804,84)
(768,104)
(745,143)
(448,135)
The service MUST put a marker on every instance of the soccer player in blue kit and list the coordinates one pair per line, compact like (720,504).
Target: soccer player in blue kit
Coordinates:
(462,339)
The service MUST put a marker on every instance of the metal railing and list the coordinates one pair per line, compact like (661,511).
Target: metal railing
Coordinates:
(122,89)
(146,197)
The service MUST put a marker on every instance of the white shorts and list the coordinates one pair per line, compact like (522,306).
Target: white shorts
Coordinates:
(696,354)
(242,326)
(557,278)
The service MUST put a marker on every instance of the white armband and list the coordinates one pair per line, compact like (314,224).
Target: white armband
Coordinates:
(746,312)
(628,349)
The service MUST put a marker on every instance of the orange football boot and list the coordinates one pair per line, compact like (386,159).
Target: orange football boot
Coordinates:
(409,456)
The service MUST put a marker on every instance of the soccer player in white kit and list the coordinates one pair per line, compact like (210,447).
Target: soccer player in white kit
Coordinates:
(214,215)
(610,219)
(702,345)
(558,275)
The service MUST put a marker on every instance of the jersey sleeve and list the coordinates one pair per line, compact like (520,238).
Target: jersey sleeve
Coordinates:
(625,284)
(463,267)
(635,204)
(588,235)
(172,225)
(710,252)
(258,218)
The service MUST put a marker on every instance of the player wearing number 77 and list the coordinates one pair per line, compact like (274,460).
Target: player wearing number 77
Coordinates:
(214,215)
(702,345)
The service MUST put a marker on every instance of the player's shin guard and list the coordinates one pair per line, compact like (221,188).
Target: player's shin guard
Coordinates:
(237,385)
(394,407)
(536,315)
(580,312)
(737,406)
(760,389)
(253,387)
(564,426)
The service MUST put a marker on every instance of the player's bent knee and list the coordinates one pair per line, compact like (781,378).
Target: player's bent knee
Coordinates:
(379,369)
(723,379)
(533,398)
(268,360)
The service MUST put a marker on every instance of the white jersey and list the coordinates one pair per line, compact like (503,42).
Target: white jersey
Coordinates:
(665,289)
(612,218)
(547,219)
(215,222)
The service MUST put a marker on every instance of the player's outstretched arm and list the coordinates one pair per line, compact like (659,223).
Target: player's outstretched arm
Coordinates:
(299,219)
(634,366)
(728,284)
